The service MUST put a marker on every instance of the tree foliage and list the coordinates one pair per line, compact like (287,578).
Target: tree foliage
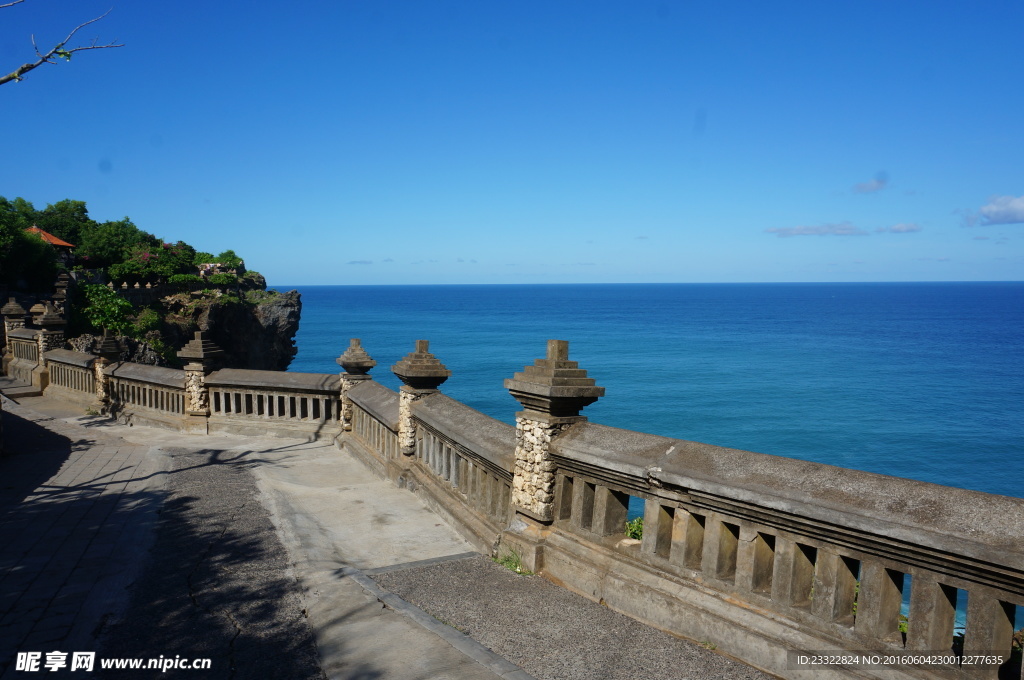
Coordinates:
(67,219)
(121,249)
(26,261)
(106,309)
(111,243)
(155,263)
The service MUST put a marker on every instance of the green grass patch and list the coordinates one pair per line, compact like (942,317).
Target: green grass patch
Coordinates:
(513,561)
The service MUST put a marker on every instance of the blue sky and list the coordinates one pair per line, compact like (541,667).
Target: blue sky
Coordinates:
(511,142)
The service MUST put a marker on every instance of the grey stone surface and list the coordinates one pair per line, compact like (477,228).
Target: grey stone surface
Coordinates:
(217,582)
(158,375)
(377,400)
(76,508)
(66,356)
(274,380)
(492,439)
(23,333)
(549,632)
(963,522)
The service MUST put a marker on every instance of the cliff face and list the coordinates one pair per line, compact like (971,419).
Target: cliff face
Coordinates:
(256,328)
(256,332)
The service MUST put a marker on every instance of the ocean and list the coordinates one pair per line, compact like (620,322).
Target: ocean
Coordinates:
(918,380)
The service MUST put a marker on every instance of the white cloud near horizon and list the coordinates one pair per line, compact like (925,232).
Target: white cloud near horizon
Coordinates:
(359,262)
(1003,210)
(877,184)
(836,229)
(901,228)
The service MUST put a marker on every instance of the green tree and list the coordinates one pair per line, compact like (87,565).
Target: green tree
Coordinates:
(66,219)
(229,259)
(149,263)
(106,309)
(112,243)
(26,261)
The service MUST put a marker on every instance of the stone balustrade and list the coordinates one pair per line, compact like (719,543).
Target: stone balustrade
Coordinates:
(151,394)
(72,376)
(273,402)
(375,421)
(764,557)
(22,356)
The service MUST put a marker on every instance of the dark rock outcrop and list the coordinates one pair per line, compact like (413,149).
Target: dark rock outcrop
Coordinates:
(255,328)
(256,332)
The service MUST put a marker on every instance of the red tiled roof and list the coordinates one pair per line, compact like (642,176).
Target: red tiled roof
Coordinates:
(49,238)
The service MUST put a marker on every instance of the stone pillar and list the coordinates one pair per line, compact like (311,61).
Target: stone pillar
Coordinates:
(51,336)
(14,317)
(357,364)
(107,352)
(202,355)
(422,374)
(552,391)
(61,296)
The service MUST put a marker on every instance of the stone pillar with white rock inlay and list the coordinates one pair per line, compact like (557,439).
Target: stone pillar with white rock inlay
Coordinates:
(357,364)
(552,391)
(422,373)
(203,355)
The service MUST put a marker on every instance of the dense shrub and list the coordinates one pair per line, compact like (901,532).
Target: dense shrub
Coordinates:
(105,309)
(223,279)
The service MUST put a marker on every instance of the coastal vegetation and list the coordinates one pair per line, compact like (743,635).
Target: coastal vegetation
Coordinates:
(153,294)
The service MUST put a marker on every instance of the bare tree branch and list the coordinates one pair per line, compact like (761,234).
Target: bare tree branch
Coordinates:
(58,52)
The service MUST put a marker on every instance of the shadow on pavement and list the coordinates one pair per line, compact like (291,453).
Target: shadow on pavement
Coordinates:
(31,455)
(217,583)
(194,569)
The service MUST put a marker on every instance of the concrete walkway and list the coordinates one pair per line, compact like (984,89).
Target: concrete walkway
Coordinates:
(274,558)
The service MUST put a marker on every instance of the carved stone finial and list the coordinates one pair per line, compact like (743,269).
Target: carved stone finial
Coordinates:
(201,350)
(355,360)
(50,319)
(420,369)
(108,347)
(12,309)
(554,385)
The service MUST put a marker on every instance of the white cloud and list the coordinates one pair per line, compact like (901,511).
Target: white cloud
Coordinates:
(1003,210)
(837,229)
(901,228)
(360,262)
(877,184)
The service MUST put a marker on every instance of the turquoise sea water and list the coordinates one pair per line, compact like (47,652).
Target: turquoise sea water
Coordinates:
(920,380)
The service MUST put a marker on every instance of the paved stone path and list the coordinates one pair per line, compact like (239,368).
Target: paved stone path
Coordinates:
(274,558)
(73,499)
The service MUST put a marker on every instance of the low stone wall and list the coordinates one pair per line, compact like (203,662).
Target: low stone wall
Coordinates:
(274,403)
(149,394)
(22,354)
(72,377)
